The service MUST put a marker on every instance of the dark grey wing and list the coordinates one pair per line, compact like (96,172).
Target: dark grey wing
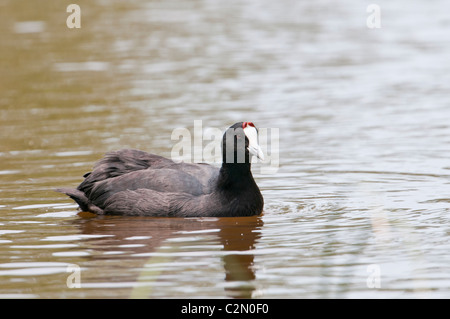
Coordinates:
(163,180)
(141,202)
(120,163)
(131,170)
(206,174)
(147,202)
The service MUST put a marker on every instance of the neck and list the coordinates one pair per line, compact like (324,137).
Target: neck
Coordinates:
(235,176)
(237,185)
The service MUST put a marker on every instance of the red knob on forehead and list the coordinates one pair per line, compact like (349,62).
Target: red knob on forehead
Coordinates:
(245,124)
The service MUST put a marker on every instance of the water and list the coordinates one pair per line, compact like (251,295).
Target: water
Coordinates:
(359,205)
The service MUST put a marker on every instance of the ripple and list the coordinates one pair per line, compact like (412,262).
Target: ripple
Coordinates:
(71,254)
(73,153)
(33,271)
(61,214)
(138,237)
(6,231)
(9,172)
(74,237)
(29,27)
(52,246)
(33,268)
(34,206)
(18,296)
(81,66)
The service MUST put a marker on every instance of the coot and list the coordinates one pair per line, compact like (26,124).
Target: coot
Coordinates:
(133,182)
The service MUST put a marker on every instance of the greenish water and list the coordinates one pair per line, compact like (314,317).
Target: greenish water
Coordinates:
(358,207)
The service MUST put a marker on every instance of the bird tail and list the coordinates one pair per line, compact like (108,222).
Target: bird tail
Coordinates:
(80,198)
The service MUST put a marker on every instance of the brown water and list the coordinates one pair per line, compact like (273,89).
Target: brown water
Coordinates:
(358,207)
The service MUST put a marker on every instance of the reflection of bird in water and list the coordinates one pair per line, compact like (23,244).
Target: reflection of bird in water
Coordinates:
(237,236)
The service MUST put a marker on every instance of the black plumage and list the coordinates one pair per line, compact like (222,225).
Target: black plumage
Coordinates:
(133,182)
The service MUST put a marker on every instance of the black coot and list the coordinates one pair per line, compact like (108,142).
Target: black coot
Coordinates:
(132,182)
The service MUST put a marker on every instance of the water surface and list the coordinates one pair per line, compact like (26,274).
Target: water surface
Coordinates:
(358,207)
